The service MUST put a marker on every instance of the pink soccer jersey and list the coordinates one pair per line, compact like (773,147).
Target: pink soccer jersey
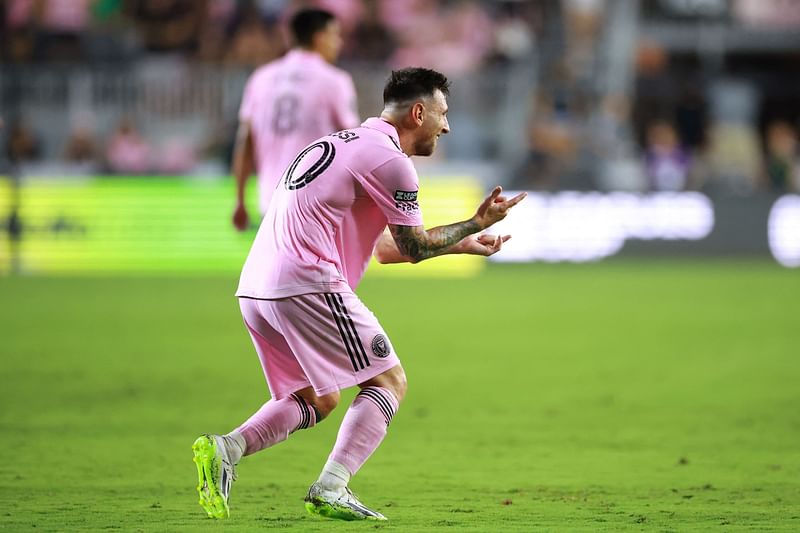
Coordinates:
(289,103)
(328,212)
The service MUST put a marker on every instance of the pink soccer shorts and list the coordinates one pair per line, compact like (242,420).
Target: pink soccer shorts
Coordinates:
(329,341)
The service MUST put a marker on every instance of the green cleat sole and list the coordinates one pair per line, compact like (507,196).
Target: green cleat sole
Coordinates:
(327,510)
(205,457)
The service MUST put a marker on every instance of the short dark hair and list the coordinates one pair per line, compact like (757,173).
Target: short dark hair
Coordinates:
(306,22)
(412,83)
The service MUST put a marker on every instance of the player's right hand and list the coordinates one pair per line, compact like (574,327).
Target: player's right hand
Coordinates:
(482,244)
(495,207)
(240,219)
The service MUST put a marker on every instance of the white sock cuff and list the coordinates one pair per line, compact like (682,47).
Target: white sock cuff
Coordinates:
(238,439)
(334,475)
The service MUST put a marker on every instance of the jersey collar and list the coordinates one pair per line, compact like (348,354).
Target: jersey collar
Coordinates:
(301,53)
(377,123)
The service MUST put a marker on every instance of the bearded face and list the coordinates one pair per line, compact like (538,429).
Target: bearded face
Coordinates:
(433,125)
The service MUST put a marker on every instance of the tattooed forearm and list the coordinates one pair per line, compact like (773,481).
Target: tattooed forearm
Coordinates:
(418,244)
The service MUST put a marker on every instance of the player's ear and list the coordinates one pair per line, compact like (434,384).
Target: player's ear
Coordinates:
(418,113)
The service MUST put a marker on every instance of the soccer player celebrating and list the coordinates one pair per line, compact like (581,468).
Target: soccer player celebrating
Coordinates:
(313,335)
(290,102)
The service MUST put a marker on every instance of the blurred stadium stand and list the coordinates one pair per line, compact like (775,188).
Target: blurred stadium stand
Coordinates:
(548,96)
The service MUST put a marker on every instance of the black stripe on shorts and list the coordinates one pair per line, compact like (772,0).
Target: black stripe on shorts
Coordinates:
(347,331)
(349,322)
(345,337)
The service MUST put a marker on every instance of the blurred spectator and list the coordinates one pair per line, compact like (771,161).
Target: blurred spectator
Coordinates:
(105,10)
(734,154)
(551,156)
(62,24)
(782,161)
(18,39)
(168,25)
(371,40)
(214,32)
(535,173)
(583,22)
(775,14)
(253,42)
(619,166)
(112,38)
(347,12)
(220,12)
(81,147)
(127,152)
(468,27)
(655,91)
(218,146)
(455,40)
(81,153)
(690,116)
(212,44)
(22,145)
(176,157)
(513,36)
(667,163)
(609,125)
(734,158)
(402,16)
(418,32)
(274,10)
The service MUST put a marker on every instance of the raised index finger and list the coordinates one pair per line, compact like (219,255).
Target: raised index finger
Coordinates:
(517,199)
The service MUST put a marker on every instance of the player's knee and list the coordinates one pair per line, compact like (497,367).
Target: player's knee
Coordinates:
(398,383)
(402,387)
(394,380)
(326,404)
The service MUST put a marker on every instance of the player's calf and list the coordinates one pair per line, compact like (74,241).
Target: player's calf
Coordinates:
(277,419)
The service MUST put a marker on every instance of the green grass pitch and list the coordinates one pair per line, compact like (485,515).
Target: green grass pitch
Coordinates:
(656,396)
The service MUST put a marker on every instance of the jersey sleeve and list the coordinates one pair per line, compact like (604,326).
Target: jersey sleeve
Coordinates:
(394,186)
(345,105)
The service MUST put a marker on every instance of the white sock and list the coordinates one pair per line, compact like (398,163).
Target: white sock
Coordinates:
(236,445)
(334,476)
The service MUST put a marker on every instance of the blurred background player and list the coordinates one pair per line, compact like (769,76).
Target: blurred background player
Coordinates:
(312,333)
(290,102)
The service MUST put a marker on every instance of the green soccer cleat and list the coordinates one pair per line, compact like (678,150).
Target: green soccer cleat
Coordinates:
(342,505)
(215,474)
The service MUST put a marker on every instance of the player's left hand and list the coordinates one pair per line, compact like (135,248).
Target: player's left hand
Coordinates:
(495,207)
(240,218)
(483,244)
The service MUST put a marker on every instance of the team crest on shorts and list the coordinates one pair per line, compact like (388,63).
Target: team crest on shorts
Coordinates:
(380,346)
